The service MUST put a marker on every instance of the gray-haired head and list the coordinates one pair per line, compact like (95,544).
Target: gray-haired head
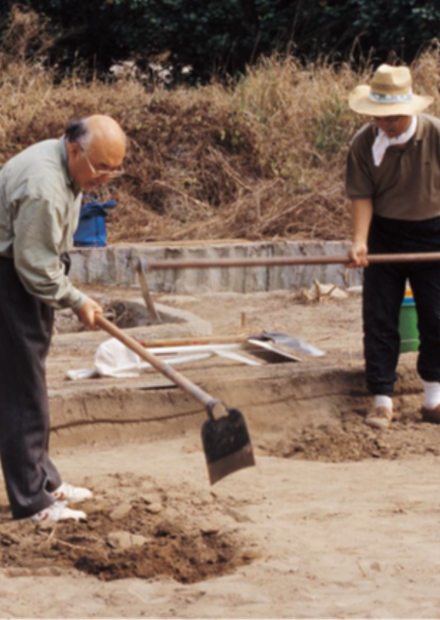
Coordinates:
(96,148)
(79,132)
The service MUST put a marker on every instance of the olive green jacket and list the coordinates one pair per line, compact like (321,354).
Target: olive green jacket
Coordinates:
(39,212)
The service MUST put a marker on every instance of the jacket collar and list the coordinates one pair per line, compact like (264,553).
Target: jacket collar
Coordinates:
(64,159)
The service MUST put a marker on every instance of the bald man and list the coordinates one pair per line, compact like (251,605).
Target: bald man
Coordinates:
(40,200)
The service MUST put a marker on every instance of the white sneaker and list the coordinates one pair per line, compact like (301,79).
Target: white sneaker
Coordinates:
(72,494)
(58,512)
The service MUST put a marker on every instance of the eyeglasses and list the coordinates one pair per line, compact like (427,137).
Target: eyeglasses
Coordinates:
(100,173)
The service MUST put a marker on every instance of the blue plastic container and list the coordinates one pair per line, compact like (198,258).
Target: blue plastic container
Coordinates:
(92,230)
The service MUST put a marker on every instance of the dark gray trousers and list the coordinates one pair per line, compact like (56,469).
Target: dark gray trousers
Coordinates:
(384,286)
(25,334)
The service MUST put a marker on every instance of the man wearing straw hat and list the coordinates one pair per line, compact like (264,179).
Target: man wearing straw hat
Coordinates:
(393,182)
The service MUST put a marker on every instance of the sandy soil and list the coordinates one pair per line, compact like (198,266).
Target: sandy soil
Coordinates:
(335,520)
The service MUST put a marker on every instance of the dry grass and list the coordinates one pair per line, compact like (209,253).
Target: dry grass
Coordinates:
(258,159)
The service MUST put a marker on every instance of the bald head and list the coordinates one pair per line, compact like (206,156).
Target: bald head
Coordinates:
(105,129)
(96,148)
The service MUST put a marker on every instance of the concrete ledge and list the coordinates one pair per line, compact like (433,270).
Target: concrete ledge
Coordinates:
(112,265)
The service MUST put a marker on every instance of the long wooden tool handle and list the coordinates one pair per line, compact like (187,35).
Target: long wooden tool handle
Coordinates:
(182,342)
(141,268)
(290,260)
(169,372)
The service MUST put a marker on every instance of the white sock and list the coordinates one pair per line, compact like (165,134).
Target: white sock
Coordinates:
(432,393)
(383,401)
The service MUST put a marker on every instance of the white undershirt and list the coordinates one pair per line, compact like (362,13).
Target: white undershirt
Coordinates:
(382,141)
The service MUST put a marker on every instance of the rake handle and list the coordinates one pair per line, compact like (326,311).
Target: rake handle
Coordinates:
(194,390)
(290,260)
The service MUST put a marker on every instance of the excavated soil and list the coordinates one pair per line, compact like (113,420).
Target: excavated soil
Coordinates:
(353,442)
(335,520)
(132,538)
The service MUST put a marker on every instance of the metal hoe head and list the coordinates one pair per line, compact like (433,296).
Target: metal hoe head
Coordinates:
(226,443)
(226,440)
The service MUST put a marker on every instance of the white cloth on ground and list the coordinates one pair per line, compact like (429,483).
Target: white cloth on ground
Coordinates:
(114,359)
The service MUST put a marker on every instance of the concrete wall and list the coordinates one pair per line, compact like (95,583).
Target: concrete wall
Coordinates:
(113,266)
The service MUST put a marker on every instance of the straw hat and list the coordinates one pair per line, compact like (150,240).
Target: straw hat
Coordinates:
(390,94)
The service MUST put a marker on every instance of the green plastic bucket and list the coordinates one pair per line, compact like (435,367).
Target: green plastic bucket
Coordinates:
(409,334)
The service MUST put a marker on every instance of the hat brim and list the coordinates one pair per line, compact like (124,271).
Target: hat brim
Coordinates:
(359,101)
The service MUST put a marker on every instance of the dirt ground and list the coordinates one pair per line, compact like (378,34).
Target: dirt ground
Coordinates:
(336,520)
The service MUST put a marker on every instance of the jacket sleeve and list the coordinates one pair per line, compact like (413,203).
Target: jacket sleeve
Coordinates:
(39,228)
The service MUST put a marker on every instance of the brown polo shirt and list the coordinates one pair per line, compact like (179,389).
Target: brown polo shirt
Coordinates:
(406,186)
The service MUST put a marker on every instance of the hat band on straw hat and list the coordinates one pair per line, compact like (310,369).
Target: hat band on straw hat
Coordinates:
(381,98)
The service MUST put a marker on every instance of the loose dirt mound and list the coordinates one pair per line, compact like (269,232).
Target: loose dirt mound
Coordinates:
(349,439)
(145,537)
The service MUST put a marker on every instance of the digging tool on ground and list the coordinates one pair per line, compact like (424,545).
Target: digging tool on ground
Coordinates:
(141,267)
(264,345)
(226,441)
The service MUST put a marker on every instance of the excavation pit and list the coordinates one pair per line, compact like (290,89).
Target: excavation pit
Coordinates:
(319,511)
(311,410)
(133,540)
(129,312)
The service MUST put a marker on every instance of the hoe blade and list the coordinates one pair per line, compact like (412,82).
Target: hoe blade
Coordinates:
(227,445)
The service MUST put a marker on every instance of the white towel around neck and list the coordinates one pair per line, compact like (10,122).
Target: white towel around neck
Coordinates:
(382,141)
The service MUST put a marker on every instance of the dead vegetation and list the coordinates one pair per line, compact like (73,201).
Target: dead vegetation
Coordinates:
(260,158)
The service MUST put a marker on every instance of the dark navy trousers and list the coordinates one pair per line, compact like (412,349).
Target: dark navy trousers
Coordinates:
(384,288)
(25,334)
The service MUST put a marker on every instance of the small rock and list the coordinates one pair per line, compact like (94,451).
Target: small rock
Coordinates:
(154,508)
(7,540)
(208,530)
(375,566)
(211,526)
(120,512)
(169,528)
(202,499)
(151,498)
(125,540)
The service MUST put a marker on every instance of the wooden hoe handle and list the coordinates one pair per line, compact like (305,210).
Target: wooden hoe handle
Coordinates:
(169,372)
